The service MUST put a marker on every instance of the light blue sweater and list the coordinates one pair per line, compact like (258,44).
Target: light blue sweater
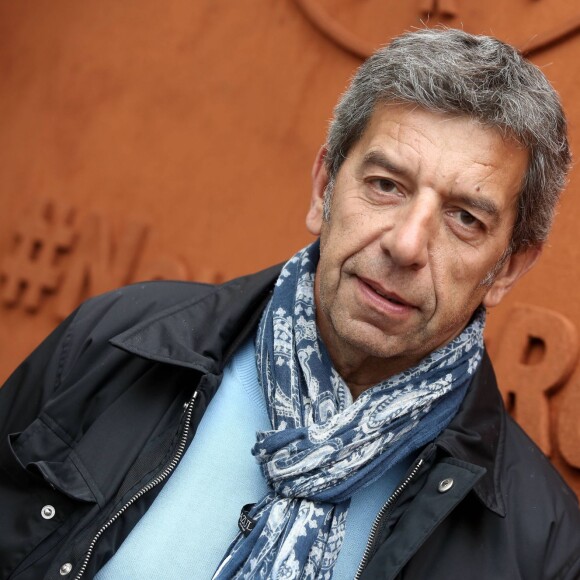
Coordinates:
(187,530)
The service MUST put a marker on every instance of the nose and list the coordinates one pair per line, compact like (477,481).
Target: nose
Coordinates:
(408,238)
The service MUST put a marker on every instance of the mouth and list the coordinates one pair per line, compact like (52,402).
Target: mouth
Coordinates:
(386,295)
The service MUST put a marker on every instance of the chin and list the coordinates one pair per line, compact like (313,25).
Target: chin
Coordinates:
(375,343)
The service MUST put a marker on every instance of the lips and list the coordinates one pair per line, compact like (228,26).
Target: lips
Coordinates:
(387,295)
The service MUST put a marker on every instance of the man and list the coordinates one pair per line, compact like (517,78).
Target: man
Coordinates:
(382,446)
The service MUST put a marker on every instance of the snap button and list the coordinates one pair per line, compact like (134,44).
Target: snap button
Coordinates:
(445,485)
(47,512)
(65,569)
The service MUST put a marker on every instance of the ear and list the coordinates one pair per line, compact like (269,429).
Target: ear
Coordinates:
(514,268)
(314,217)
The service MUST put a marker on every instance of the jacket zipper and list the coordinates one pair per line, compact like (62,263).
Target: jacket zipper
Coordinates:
(382,513)
(153,483)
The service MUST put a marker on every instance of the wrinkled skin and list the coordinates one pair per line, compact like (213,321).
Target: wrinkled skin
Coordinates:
(421,213)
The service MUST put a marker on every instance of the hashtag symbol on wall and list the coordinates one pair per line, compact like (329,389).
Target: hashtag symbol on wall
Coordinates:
(32,266)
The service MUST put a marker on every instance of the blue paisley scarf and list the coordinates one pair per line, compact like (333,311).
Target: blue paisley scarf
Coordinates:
(323,446)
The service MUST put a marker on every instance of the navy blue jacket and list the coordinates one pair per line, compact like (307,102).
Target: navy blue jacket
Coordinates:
(93,423)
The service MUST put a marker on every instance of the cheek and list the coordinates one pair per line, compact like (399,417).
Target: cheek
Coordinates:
(457,276)
(336,239)
(352,229)
(327,264)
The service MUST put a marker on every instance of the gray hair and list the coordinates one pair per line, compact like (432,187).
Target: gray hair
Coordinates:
(452,72)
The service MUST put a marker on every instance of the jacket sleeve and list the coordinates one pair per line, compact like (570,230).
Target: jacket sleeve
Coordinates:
(34,381)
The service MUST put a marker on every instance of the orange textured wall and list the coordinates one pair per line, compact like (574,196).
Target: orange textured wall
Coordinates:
(142,139)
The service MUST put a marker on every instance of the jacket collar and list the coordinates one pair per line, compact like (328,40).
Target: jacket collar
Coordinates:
(477,434)
(202,333)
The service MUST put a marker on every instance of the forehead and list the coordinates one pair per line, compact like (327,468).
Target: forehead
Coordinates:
(392,124)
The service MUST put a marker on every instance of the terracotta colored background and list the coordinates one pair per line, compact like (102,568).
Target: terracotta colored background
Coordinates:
(144,139)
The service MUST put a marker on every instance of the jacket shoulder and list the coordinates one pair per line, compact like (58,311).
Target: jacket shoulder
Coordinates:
(126,306)
(541,506)
(525,460)
(89,329)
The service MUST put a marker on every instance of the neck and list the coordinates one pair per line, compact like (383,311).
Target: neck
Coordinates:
(359,370)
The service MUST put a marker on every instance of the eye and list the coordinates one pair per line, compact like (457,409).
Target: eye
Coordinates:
(384,185)
(466,223)
(467,219)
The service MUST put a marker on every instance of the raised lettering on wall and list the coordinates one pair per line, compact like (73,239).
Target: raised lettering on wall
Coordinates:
(534,355)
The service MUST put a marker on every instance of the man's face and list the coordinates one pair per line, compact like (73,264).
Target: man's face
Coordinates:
(422,210)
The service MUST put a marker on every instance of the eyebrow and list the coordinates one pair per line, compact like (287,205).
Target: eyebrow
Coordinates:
(480,203)
(379,159)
